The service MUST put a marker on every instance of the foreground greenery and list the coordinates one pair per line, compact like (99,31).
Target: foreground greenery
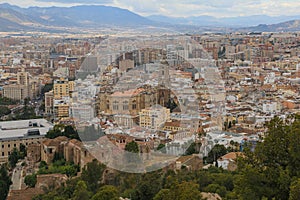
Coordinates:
(16,155)
(59,166)
(4,111)
(5,182)
(6,101)
(26,112)
(272,171)
(62,130)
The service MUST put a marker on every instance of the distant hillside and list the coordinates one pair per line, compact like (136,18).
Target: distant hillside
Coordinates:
(293,25)
(13,17)
(7,25)
(88,16)
(230,22)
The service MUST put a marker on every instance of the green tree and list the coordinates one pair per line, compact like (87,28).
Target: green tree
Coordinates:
(3,190)
(249,185)
(7,101)
(149,185)
(70,132)
(55,132)
(132,150)
(13,158)
(268,171)
(107,192)
(4,111)
(191,149)
(163,194)
(43,164)
(22,151)
(183,191)
(294,148)
(216,188)
(216,152)
(5,182)
(295,190)
(92,175)
(132,147)
(70,170)
(46,88)
(81,192)
(30,180)
(161,146)
(62,130)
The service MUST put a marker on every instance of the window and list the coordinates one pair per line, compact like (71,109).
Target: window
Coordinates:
(2,153)
(8,145)
(15,145)
(115,105)
(125,105)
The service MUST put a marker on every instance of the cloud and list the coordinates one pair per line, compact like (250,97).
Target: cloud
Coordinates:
(185,8)
(78,1)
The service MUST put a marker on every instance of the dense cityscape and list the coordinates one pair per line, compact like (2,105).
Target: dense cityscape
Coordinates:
(149,116)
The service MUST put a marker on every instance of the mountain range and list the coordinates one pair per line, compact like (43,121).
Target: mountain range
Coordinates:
(14,18)
(243,21)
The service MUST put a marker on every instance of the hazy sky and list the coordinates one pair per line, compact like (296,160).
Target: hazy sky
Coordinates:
(184,8)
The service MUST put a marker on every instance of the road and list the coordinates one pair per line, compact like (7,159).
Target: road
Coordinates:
(17,178)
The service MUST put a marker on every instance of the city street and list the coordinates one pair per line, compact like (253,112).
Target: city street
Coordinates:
(17,178)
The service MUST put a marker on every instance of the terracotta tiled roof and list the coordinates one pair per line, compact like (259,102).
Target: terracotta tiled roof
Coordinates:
(231,156)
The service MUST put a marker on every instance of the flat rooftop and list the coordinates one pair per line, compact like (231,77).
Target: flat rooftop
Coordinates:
(24,128)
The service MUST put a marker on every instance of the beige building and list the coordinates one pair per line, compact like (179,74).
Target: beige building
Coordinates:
(131,102)
(126,105)
(61,110)
(22,89)
(57,101)
(16,92)
(14,133)
(63,88)
(154,117)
